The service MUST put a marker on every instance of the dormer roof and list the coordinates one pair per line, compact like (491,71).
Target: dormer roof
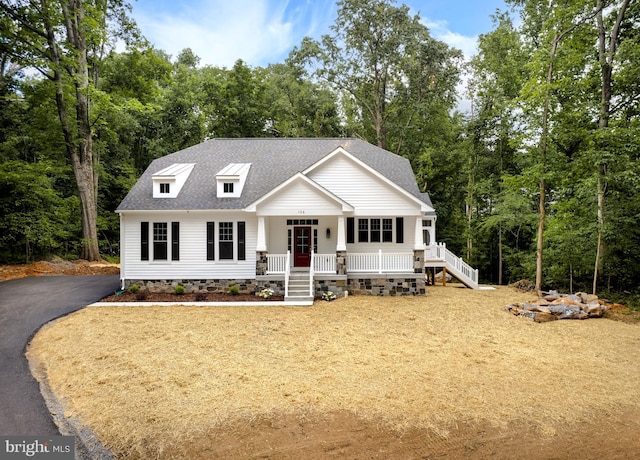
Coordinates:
(168,182)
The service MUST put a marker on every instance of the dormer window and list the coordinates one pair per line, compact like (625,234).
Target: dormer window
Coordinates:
(231,179)
(168,182)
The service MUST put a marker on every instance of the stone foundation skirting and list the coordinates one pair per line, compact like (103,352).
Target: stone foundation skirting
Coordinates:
(387,285)
(378,285)
(245,286)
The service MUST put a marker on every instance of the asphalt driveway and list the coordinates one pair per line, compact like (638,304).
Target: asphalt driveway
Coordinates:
(25,305)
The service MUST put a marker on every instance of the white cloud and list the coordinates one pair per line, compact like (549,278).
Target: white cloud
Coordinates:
(440,31)
(221,31)
(469,47)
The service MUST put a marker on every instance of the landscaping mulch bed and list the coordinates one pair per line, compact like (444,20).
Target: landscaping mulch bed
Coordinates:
(187,297)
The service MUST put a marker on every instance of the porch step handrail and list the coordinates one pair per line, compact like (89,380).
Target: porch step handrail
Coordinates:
(311,273)
(287,273)
(456,265)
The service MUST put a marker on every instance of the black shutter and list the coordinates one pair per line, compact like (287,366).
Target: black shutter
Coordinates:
(241,241)
(211,241)
(175,240)
(399,229)
(351,231)
(144,240)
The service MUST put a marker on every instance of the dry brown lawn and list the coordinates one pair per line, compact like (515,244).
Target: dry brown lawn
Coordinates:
(149,379)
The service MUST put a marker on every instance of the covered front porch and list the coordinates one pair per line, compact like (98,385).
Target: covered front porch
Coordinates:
(310,256)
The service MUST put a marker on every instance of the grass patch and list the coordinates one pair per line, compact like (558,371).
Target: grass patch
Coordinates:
(148,378)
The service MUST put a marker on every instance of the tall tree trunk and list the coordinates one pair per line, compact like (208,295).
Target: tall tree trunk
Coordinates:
(79,146)
(500,255)
(606,55)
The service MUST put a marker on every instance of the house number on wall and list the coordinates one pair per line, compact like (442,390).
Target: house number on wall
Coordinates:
(300,212)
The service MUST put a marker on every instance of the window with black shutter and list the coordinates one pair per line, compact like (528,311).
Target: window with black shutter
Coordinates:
(241,241)
(399,229)
(351,231)
(175,240)
(144,240)
(211,243)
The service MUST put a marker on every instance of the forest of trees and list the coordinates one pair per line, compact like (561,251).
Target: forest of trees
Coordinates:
(540,181)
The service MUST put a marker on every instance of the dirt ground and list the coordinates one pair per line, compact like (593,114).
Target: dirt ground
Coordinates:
(345,436)
(58,267)
(449,375)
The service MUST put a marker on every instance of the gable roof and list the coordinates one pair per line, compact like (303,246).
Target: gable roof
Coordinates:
(273,160)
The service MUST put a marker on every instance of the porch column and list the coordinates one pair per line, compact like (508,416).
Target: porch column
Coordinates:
(341,245)
(261,245)
(418,242)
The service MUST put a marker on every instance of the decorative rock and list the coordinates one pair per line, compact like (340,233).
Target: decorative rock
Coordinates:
(559,306)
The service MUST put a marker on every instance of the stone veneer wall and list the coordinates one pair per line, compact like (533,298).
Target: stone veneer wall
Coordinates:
(245,286)
(380,286)
(397,286)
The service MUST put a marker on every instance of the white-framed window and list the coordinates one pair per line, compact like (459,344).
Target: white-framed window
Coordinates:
(164,188)
(375,230)
(225,240)
(387,230)
(228,187)
(159,241)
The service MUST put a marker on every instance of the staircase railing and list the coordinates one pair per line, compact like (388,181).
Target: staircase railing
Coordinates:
(311,274)
(287,272)
(439,251)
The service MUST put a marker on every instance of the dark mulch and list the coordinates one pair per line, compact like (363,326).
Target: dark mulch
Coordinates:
(192,297)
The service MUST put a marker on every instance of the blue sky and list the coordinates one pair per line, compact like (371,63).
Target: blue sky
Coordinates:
(261,32)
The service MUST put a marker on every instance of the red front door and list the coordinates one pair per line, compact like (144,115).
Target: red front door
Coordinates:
(302,246)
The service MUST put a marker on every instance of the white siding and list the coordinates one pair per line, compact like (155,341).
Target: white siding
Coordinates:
(299,199)
(193,263)
(369,195)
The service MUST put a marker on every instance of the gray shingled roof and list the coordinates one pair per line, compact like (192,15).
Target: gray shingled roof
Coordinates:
(273,161)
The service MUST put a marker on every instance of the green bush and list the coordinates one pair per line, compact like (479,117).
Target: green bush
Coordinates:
(134,288)
(178,290)
(234,290)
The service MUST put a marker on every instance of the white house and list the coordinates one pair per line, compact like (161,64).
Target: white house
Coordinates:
(301,216)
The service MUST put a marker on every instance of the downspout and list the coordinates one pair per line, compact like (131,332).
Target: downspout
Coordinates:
(122,255)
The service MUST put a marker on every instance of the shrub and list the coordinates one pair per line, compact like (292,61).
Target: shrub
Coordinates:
(329,296)
(201,296)
(134,288)
(142,295)
(234,290)
(266,293)
(178,290)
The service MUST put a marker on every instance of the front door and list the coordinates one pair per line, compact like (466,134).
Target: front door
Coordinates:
(302,246)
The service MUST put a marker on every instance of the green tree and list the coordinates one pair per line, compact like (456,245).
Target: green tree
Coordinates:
(299,107)
(66,41)
(234,102)
(388,70)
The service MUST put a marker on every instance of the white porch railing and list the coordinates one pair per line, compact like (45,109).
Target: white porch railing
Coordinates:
(380,262)
(277,263)
(324,263)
